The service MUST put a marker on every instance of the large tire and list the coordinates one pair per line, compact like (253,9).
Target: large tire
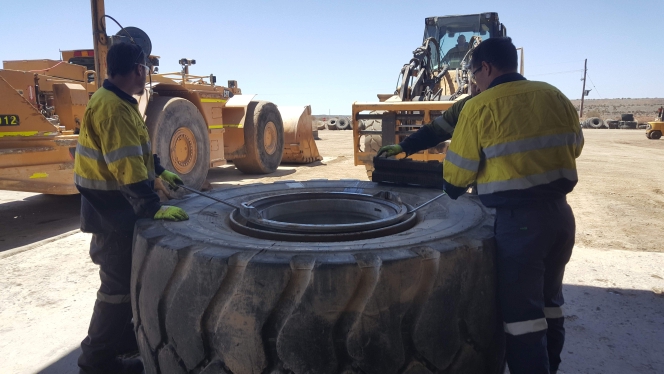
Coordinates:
(627,117)
(612,124)
(332,124)
(655,135)
(179,135)
(372,143)
(207,299)
(595,123)
(343,124)
(263,139)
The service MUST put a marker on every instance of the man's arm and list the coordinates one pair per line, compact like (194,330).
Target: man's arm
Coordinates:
(124,154)
(462,161)
(439,130)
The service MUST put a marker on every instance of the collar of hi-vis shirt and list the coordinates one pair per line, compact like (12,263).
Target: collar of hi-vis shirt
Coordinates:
(509,77)
(121,94)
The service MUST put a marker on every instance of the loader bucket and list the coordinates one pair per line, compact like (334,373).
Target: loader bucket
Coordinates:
(299,144)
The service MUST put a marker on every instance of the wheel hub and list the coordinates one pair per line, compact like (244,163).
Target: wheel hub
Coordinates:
(323,216)
(270,138)
(183,150)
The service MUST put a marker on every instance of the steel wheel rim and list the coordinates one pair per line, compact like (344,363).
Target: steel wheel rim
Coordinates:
(270,138)
(184,150)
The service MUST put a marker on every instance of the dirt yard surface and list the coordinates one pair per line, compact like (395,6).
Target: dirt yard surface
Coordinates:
(613,286)
(643,109)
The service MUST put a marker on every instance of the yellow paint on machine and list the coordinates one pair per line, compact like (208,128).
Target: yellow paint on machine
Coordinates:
(18,133)
(213,101)
(38,175)
(238,126)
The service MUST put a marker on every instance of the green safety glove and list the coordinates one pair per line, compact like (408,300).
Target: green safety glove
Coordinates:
(171,213)
(390,150)
(172,179)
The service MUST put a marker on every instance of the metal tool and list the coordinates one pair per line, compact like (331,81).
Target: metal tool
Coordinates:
(208,196)
(427,203)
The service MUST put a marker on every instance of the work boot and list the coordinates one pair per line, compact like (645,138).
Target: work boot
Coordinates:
(116,366)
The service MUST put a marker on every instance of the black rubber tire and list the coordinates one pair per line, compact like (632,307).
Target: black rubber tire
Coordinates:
(258,160)
(595,123)
(648,135)
(372,143)
(343,124)
(655,135)
(164,116)
(208,299)
(332,124)
(612,124)
(627,117)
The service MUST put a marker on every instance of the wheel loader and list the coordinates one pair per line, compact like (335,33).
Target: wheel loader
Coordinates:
(436,77)
(194,124)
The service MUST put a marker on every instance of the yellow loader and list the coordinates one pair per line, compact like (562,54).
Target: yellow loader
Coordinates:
(436,77)
(194,124)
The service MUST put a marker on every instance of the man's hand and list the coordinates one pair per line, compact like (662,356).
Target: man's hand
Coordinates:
(390,150)
(171,213)
(173,179)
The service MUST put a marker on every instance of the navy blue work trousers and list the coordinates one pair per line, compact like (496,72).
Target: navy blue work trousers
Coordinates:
(534,243)
(111,331)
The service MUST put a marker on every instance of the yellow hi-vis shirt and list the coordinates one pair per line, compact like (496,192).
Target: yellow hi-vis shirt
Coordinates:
(518,141)
(113,146)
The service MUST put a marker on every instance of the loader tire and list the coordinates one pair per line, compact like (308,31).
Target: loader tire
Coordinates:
(332,124)
(343,124)
(207,299)
(179,136)
(263,139)
(627,117)
(612,124)
(595,123)
(372,143)
(655,135)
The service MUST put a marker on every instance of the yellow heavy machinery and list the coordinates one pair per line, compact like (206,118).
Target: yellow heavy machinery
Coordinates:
(194,124)
(436,77)
(655,129)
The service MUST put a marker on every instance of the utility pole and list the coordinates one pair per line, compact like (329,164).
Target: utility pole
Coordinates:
(583,93)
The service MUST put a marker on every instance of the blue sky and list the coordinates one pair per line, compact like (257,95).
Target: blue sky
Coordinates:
(332,53)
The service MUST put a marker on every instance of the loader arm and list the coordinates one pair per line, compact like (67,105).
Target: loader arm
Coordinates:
(100,39)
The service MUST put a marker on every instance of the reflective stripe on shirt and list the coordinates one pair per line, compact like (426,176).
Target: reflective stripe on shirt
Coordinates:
(530,144)
(526,182)
(96,184)
(89,152)
(461,162)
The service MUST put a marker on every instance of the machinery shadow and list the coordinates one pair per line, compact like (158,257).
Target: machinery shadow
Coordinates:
(37,217)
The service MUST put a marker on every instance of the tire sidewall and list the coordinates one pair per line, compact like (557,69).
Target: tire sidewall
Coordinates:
(169,120)
(264,112)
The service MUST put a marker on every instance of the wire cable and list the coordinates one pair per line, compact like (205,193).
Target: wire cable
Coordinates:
(557,72)
(591,81)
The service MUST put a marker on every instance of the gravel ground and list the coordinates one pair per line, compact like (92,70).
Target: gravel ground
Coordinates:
(613,286)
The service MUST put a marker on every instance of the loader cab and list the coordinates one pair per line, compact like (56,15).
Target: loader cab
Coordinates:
(451,31)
